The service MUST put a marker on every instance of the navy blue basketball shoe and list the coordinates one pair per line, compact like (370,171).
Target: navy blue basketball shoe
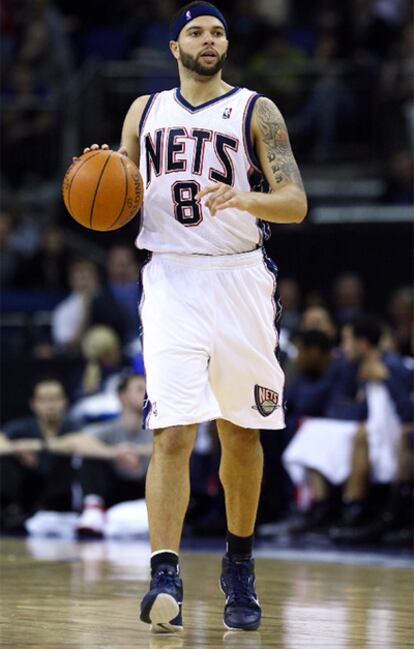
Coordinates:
(161,606)
(237,581)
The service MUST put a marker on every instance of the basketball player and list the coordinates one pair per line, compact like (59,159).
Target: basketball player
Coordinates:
(209,307)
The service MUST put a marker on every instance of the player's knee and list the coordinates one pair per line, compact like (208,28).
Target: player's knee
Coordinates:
(241,442)
(177,440)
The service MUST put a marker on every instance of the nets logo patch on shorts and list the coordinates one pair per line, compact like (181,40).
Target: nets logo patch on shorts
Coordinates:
(267,400)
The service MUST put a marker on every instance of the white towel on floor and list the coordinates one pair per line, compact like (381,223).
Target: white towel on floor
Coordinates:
(52,524)
(125,520)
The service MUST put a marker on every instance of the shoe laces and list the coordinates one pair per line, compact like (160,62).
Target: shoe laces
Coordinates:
(165,577)
(240,583)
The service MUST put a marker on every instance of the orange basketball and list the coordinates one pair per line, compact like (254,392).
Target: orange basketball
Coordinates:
(102,190)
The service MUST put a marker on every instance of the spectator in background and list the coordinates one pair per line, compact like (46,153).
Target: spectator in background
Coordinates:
(122,273)
(396,101)
(8,33)
(115,455)
(381,448)
(401,318)
(314,297)
(102,350)
(400,179)
(27,226)
(32,477)
(289,292)
(372,30)
(156,33)
(348,297)
(71,317)
(149,46)
(48,267)
(27,125)
(308,393)
(318,318)
(97,387)
(246,28)
(106,29)
(273,12)
(330,107)
(9,258)
(358,439)
(313,318)
(393,522)
(276,69)
(90,303)
(44,43)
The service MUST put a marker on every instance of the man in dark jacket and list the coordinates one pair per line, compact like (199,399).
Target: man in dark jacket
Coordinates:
(367,403)
(32,478)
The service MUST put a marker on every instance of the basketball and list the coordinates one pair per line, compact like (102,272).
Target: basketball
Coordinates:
(102,190)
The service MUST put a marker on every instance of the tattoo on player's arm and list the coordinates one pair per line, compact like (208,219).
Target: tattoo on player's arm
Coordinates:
(275,137)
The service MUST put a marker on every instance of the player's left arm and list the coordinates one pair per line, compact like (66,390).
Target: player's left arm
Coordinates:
(286,203)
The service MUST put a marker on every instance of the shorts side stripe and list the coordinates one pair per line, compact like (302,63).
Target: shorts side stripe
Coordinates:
(147,404)
(272,269)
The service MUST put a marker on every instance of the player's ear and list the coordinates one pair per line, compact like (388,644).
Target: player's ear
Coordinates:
(174,49)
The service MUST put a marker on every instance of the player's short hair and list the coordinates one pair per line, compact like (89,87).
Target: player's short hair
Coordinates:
(367,327)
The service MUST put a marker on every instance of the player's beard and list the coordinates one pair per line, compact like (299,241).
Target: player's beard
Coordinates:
(193,64)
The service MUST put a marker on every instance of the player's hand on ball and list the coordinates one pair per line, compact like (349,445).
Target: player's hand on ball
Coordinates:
(221,196)
(93,147)
(102,190)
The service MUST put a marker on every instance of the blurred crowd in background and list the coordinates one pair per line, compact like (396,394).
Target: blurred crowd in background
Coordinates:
(342,74)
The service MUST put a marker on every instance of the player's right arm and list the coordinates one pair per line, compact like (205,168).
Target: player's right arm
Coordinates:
(129,137)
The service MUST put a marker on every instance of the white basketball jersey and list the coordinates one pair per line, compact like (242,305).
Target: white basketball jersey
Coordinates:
(185,148)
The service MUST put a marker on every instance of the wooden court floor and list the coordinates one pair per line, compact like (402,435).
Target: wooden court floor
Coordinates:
(64,595)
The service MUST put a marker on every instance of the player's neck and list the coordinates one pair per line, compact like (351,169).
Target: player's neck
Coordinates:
(197,90)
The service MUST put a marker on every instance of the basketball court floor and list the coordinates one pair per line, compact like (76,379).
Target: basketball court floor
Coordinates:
(60,594)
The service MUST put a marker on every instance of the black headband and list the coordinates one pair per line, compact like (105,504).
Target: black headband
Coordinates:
(200,9)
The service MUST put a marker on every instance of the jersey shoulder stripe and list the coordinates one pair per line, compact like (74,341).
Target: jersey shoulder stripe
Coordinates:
(145,113)
(247,140)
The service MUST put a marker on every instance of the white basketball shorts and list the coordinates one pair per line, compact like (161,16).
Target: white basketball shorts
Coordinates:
(209,340)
